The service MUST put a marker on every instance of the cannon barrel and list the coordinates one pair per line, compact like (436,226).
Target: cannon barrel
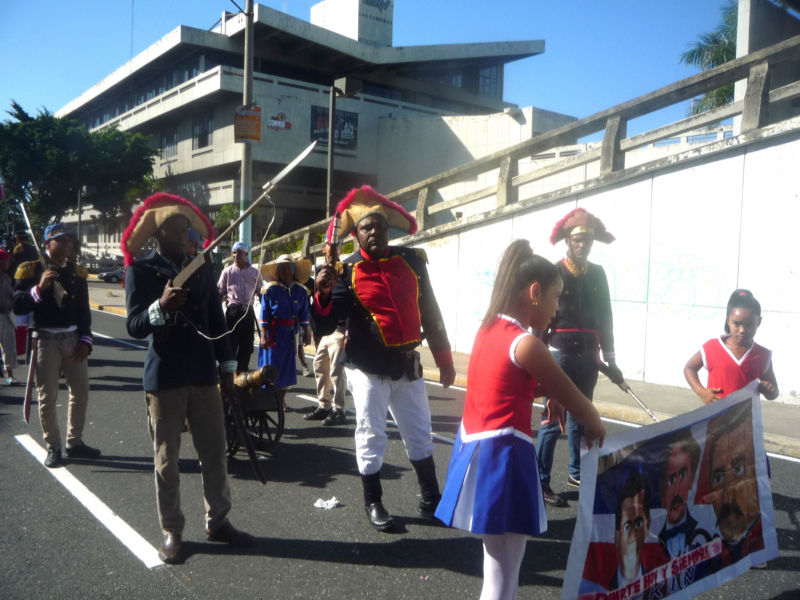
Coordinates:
(252,379)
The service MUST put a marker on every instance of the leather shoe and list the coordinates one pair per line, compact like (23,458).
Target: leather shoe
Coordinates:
(170,550)
(378,517)
(318,414)
(550,497)
(336,417)
(427,506)
(82,451)
(53,458)
(228,534)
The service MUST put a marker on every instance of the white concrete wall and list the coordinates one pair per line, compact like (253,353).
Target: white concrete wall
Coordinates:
(686,238)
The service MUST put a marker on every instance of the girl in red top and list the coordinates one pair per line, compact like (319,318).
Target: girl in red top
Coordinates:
(492,483)
(734,359)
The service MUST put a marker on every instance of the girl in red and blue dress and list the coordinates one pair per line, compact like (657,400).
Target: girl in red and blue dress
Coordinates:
(493,486)
(734,359)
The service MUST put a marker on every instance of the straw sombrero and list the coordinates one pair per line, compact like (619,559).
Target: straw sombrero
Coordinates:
(302,268)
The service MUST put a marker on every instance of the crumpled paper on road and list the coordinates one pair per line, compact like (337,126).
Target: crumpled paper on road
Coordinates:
(327,504)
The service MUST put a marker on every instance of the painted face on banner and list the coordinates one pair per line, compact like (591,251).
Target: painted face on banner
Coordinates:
(734,487)
(677,484)
(629,538)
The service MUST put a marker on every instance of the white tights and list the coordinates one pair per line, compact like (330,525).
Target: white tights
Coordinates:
(502,557)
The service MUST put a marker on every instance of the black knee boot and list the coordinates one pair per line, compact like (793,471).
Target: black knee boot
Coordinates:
(378,516)
(428,486)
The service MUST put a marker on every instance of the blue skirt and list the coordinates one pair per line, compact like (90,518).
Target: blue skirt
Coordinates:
(493,487)
(281,356)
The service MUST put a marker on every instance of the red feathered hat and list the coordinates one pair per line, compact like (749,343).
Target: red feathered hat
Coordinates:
(581,220)
(364,201)
(152,213)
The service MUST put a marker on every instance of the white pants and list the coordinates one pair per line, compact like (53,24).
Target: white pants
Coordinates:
(373,397)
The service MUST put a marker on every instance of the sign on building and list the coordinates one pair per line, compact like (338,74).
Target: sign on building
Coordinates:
(247,124)
(345,128)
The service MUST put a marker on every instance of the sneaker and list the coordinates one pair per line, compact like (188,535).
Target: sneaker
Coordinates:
(53,458)
(550,497)
(318,414)
(336,417)
(574,481)
(82,451)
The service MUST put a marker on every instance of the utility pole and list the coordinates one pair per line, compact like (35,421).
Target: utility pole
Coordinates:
(246,179)
(329,208)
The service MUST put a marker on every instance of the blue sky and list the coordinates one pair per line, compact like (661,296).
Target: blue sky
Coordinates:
(598,53)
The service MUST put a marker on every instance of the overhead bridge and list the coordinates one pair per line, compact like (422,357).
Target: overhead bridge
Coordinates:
(698,210)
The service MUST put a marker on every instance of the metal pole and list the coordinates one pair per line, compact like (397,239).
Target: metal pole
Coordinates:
(246,179)
(79,221)
(331,120)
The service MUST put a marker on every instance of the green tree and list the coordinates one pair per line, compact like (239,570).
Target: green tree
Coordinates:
(711,50)
(226,215)
(45,161)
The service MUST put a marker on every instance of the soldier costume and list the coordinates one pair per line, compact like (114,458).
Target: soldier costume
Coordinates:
(180,372)
(284,311)
(388,305)
(63,325)
(582,326)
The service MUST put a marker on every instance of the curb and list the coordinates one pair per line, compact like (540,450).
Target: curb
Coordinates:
(111,309)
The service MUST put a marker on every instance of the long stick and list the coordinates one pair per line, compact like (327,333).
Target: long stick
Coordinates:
(623,385)
(58,290)
(626,388)
(198,260)
(26,403)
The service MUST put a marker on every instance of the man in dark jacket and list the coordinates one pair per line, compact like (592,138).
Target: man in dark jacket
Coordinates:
(188,345)
(385,296)
(58,297)
(582,327)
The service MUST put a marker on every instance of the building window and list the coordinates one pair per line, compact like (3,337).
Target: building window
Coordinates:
(169,144)
(487,81)
(202,131)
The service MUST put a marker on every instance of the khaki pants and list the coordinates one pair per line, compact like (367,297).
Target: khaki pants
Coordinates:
(328,371)
(54,355)
(168,411)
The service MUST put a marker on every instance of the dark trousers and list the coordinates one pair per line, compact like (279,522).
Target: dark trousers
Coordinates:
(242,335)
(582,370)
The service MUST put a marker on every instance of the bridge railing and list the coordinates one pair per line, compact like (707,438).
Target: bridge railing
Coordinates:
(501,169)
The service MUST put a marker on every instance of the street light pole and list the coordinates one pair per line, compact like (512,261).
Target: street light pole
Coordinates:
(331,121)
(246,178)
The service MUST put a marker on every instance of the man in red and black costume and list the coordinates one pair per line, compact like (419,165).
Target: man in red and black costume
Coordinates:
(385,296)
(581,328)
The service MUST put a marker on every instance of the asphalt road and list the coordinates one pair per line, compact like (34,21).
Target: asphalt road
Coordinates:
(53,547)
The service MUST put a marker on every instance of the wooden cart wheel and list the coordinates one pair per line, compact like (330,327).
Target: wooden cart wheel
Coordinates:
(266,425)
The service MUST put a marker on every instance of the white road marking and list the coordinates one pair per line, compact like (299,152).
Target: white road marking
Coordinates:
(436,436)
(119,341)
(129,537)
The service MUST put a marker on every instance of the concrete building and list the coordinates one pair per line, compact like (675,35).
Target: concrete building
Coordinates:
(183,92)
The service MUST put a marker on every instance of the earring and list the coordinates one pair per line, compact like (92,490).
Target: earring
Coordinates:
(535,303)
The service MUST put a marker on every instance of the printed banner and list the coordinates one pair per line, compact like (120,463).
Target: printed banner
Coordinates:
(674,508)
(345,128)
